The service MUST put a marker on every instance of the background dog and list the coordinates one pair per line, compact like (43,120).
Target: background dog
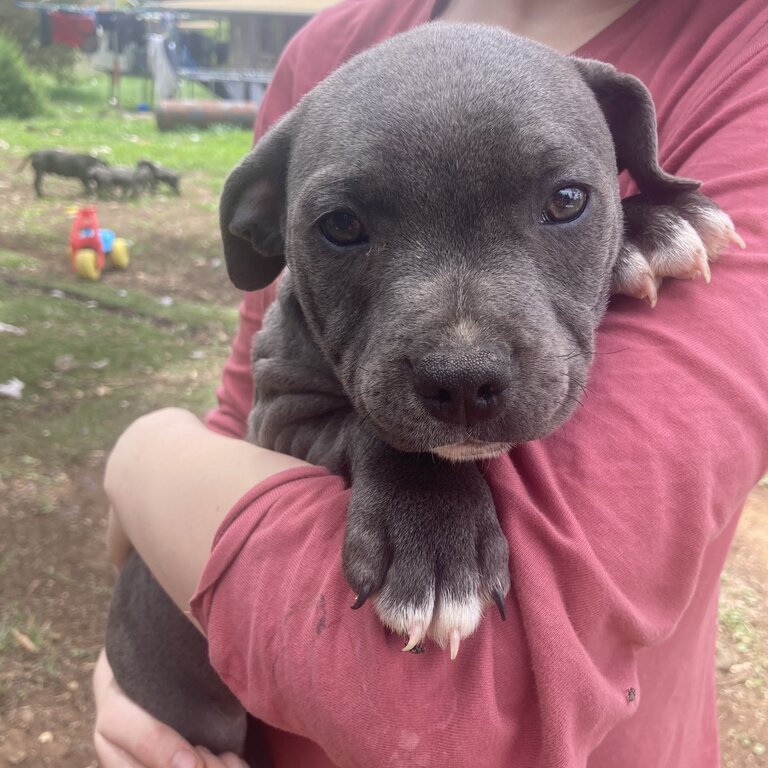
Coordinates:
(130,181)
(73,165)
(160,175)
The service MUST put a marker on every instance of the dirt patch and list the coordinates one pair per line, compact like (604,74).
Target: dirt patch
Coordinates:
(743,641)
(55,583)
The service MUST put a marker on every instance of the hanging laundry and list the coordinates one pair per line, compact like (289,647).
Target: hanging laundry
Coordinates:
(121,28)
(161,68)
(74,30)
(46,29)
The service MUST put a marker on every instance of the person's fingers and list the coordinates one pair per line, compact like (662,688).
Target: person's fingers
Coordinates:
(151,743)
(124,731)
(227,760)
(233,761)
(111,756)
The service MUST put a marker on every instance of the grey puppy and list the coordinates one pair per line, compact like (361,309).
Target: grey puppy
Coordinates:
(74,165)
(130,181)
(448,210)
(160,175)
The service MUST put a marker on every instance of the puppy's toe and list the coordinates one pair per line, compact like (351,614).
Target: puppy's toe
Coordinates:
(365,560)
(714,227)
(455,619)
(676,237)
(632,275)
(406,602)
(468,582)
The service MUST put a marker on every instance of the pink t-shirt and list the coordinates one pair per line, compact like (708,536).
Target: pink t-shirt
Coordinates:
(618,524)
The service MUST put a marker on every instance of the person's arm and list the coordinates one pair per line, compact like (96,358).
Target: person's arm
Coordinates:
(168,460)
(171,480)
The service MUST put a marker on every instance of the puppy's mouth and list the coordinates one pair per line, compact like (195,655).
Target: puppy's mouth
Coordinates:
(470,450)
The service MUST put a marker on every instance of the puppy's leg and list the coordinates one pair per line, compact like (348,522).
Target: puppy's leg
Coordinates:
(423,537)
(39,182)
(161,662)
(676,235)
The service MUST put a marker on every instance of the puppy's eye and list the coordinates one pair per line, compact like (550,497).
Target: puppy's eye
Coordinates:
(566,204)
(343,228)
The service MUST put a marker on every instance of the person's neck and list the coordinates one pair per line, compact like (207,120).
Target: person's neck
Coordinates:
(565,25)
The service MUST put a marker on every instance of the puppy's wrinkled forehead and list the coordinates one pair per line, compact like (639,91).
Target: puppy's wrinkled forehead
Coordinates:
(496,109)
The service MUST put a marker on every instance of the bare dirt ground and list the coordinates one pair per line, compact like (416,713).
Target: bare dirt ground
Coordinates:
(54,576)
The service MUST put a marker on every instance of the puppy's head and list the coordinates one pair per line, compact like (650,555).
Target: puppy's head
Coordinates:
(447,204)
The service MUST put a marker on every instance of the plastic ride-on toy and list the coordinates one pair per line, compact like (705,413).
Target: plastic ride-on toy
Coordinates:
(89,246)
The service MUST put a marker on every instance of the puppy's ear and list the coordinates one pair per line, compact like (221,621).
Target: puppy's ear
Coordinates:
(631,117)
(252,210)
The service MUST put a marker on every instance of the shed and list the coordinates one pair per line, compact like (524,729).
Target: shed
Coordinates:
(258,32)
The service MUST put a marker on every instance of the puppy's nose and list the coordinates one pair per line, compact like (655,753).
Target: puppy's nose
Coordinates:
(463,387)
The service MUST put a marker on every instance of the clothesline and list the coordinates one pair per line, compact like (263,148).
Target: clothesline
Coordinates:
(136,10)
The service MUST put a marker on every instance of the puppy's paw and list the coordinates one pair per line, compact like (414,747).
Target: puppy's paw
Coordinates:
(676,237)
(433,566)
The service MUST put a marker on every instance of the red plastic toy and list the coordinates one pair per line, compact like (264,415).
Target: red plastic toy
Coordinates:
(85,243)
(89,246)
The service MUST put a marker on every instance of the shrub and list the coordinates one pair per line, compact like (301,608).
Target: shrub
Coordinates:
(23,27)
(19,92)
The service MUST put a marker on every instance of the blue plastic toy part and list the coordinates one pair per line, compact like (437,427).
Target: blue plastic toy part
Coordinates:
(107,237)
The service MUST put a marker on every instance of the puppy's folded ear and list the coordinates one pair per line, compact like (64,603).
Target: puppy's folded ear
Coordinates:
(252,210)
(631,117)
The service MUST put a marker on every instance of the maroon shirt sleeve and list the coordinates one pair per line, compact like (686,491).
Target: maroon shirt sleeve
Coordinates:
(618,523)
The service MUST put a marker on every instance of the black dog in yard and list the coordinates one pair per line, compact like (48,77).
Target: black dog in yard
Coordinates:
(130,181)
(159,174)
(72,165)
(447,208)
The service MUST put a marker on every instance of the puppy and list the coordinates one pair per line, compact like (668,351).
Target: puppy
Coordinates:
(447,208)
(130,181)
(68,164)
(159,174)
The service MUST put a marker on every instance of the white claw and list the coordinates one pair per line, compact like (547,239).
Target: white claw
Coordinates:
(648,290)
(702,263)
(735,237)
(455,641)
(415,636)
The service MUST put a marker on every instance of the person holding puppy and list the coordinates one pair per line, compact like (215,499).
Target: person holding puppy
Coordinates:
(618,524)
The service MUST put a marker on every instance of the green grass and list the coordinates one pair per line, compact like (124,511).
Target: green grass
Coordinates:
(78,118)
(92,360)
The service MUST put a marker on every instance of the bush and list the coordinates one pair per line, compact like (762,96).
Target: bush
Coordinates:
(23,27)
(19,93)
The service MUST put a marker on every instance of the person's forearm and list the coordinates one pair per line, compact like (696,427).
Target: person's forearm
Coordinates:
(170,482)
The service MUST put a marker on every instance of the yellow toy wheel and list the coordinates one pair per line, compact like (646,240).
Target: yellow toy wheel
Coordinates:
(86,264)
(119,253)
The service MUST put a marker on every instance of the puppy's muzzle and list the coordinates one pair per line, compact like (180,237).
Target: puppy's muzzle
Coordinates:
(463,387)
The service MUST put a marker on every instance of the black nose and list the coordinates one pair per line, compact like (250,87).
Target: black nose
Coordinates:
(463,387)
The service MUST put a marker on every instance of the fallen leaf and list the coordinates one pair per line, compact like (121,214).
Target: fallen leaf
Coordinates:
(24,641)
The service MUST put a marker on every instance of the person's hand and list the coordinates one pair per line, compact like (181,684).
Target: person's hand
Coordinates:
(126,736)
